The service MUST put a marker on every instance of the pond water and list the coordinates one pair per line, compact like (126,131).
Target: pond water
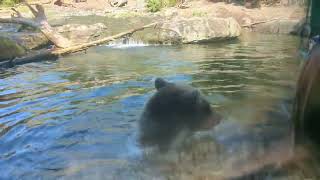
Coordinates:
(76,118)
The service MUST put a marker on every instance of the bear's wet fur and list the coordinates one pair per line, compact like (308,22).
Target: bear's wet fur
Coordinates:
(174,112)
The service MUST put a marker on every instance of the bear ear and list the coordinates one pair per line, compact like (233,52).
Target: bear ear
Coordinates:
(160,83)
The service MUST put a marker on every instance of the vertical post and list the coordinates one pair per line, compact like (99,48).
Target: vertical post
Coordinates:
(315,17)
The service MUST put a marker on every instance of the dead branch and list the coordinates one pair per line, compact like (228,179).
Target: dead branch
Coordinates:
(46,54)
(259,22)
(15,13)
(39,22)
(61,3)
(34,3)
(23,21)
(63,45)
(42,2)
(100,41)
(34,12)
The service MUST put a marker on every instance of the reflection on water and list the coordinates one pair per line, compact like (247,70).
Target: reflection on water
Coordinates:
(76,118)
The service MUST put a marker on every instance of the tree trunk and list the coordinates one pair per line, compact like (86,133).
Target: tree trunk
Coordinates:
(39,22)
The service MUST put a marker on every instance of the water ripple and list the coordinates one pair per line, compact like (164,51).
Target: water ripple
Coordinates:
(72,118)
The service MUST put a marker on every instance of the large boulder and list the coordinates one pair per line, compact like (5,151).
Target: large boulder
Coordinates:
(10,49)
(285,26)
(192,30)
(29,40)
(16,44)
(157,36)
(81,33)
(199,29)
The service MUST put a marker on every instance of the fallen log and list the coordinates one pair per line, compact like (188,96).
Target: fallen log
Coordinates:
(54,53)
(63,45)
(61,3)
(100,41)
(34,3)
(39,22)
(259,22)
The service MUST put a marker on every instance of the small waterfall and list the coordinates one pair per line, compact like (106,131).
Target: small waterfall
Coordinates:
(126,42)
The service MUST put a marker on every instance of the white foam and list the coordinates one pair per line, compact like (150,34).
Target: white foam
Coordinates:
(134,151)
(125,43)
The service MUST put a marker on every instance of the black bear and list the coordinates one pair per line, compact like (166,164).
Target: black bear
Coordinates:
(174,112)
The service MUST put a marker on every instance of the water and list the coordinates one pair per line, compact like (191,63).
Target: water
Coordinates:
(76,118)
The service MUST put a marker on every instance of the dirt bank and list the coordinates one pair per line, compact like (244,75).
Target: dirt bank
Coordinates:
(197,8)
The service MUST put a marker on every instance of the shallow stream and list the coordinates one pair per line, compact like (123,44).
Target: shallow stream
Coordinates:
(76,118)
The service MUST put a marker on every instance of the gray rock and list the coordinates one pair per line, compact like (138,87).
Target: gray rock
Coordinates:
(279,27)
(140,4)
(199,29)
(118,3)
(192,30)
(28,40)
(158,36)
(10,49)
(80,33)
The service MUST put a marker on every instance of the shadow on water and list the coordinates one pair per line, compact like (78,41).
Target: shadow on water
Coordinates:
(76,118)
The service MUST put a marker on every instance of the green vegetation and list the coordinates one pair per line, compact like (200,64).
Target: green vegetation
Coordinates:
(169,3)
(199,13)
(8,2)
(9,48)
(156,5)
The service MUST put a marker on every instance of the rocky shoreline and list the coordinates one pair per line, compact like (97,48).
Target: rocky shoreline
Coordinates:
(203,22)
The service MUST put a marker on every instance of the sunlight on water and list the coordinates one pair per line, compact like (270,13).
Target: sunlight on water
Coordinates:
(76,118)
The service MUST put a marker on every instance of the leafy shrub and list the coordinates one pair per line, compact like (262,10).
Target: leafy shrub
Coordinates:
(169,3)
(8,2)
(199,14)
(156,5)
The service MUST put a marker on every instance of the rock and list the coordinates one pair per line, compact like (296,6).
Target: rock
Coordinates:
(170,12)
(8,27)
(279,27)
(118,3)
(10,49)
(252,4)
(79,33)
(140,4)
(204,29)
(158,36)
(192,30)
(28,40)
